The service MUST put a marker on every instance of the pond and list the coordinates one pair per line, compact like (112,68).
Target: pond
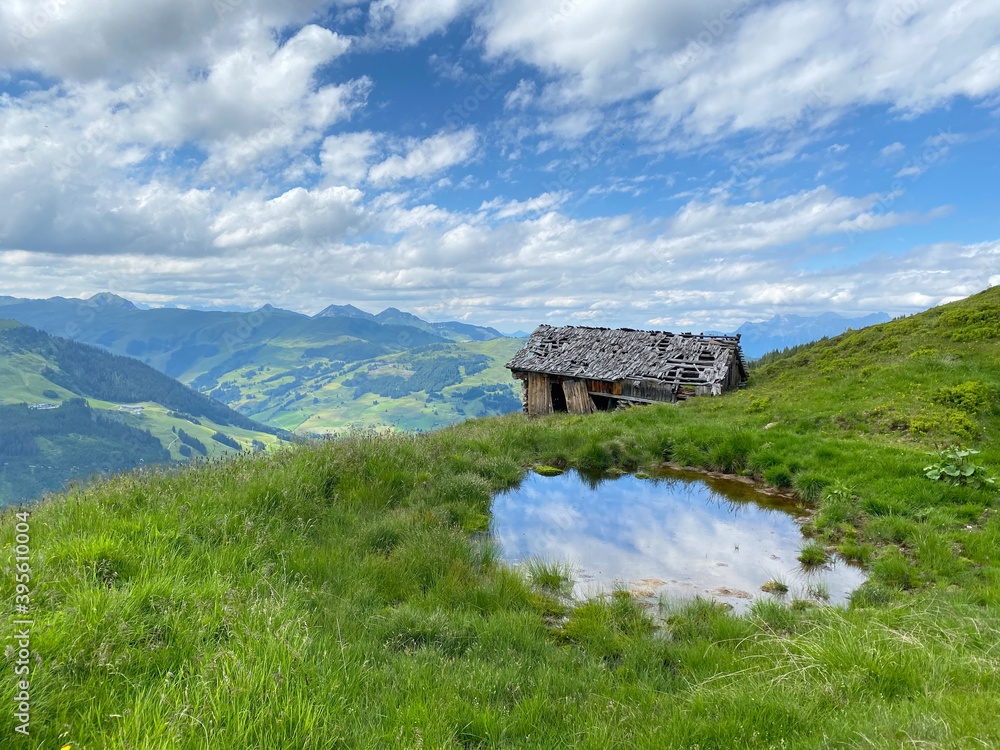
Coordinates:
(679,534)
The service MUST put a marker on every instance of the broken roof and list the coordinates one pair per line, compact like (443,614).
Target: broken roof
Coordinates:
(616,354)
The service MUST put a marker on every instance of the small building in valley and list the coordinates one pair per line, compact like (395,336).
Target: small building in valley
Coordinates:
(582,370)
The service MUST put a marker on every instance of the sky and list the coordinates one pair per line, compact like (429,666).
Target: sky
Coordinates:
(684,165)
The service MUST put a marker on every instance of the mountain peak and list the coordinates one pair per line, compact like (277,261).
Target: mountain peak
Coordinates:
(107,299)
(270,309)
(344,311)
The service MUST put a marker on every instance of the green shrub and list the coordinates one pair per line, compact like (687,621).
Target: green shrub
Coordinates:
(946,422)
(758,405)
(977,324)
(971,396)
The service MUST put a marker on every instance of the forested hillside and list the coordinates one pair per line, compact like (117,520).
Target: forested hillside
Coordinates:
(40,450)
(92,372)
(68,410)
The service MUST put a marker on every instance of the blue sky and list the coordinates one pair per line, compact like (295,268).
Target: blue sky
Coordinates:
(504,162)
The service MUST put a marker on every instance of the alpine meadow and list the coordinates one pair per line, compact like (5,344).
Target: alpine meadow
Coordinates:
(341,594)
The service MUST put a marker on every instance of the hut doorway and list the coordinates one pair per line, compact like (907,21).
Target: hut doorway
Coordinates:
(558,398)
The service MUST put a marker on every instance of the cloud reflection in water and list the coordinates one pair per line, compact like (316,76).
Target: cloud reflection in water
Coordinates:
(678,534)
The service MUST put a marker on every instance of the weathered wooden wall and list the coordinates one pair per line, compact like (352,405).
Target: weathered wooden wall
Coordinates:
(539,394)
(578,401)
(649,390)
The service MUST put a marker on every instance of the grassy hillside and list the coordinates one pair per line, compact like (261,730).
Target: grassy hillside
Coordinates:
(337,595)
(129,415)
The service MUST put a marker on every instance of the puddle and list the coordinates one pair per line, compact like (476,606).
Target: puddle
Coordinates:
(678,534)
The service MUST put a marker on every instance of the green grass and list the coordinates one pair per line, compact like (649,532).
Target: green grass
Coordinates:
(812,554)
(775,586)
(340,595)
(554,576)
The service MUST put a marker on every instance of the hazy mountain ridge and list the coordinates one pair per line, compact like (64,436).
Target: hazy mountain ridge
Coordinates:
(781,331)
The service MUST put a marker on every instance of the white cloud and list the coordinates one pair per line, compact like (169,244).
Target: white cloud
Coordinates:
(521,96)
(256,101)
(514,208)
(413,20)
(295,217)
(713,264)
(717,68)
(892,149)
(345,157)
(426,157)
(164,163)
(85,40)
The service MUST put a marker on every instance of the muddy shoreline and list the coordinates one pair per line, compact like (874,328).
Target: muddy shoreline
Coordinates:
(761,487)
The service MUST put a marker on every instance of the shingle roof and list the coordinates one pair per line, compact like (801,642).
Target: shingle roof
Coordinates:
(616,354)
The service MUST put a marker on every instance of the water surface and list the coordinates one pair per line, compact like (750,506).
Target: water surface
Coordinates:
(679,534)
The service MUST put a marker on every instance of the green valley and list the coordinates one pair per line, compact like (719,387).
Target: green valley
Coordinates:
(299,373)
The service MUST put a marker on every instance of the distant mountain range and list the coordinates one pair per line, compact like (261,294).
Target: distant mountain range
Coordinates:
(297,372)
(781,331)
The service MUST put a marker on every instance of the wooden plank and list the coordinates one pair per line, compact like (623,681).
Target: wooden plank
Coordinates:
(578,401)
(539,395)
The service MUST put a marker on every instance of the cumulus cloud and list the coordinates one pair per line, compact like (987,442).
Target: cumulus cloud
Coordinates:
(213,153)
(298,216)
(345,157)
(710,69)
(256,100)
(710,265)
(413,20)
(83,40)
(427,157)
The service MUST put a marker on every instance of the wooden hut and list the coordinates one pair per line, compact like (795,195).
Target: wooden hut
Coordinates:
(581,370)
